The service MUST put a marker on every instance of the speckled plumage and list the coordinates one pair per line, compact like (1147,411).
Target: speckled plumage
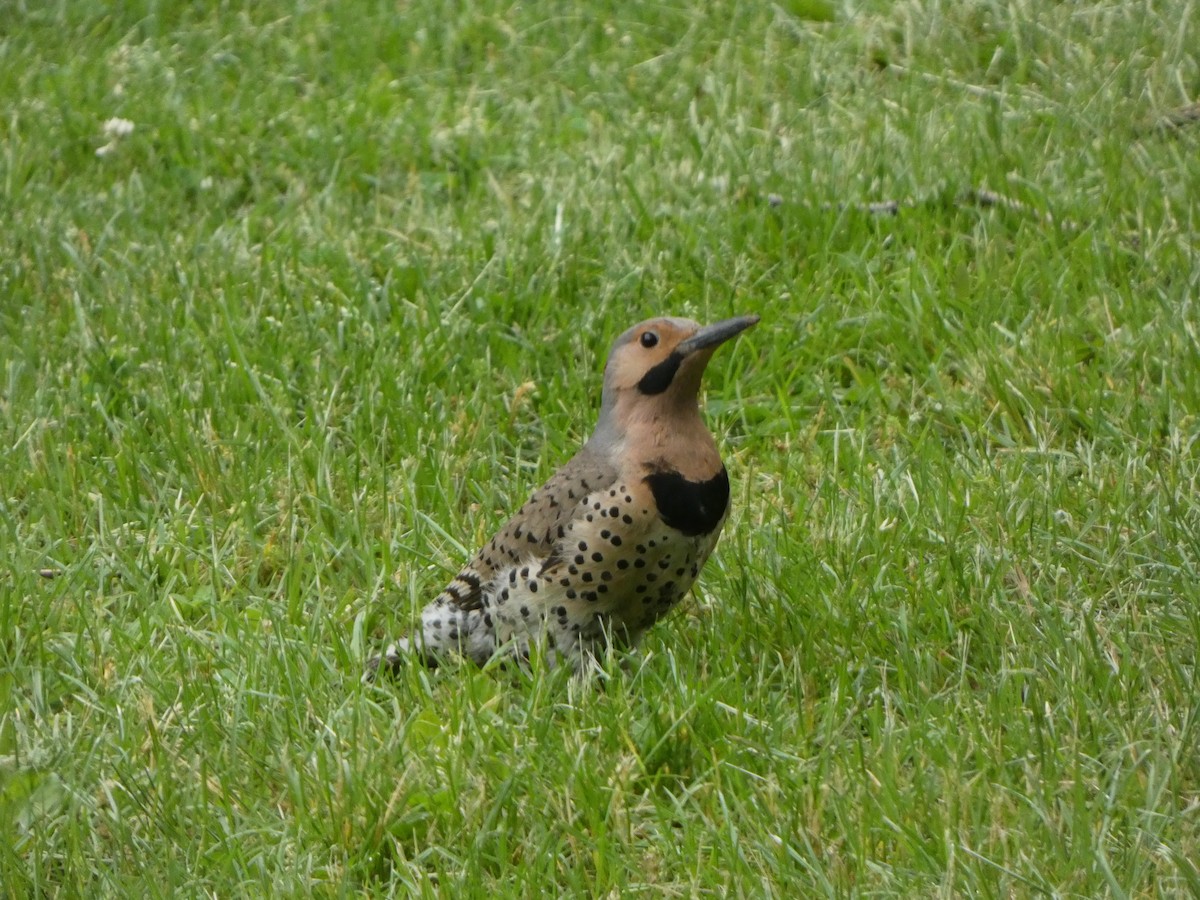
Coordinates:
(617,536)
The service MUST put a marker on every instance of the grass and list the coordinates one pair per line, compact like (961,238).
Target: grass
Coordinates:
(273,363)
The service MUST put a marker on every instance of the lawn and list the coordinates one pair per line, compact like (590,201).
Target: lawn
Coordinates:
(299,300)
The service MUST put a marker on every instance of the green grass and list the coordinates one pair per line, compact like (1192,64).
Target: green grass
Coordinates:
(272,366)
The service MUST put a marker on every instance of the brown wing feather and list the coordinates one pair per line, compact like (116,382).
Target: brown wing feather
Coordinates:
(535,528)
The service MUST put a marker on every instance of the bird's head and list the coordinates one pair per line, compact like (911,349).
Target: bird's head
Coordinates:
(654,368)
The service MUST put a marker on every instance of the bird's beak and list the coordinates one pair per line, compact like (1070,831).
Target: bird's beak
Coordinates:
(717,333)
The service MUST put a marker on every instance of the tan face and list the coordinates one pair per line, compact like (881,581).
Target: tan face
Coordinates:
(645,349)
(666,357)
(653,377)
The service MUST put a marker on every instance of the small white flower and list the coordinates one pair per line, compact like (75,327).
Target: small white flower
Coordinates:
(114,129)
(117,128)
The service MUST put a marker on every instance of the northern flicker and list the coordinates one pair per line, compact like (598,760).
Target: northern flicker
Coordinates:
(616,537)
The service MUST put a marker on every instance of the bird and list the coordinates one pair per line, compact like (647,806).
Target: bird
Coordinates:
(617,536)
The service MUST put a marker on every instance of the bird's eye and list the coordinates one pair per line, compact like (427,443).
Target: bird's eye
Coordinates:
(649,339)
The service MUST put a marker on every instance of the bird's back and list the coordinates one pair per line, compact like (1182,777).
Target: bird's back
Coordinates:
(535,529)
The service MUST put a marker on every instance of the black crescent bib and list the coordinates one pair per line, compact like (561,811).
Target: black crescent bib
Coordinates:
(692,507)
